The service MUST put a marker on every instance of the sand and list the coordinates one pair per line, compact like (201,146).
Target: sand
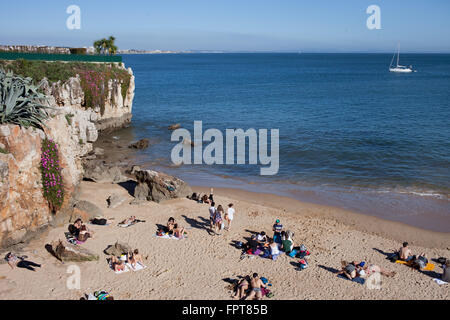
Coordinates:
(195,268)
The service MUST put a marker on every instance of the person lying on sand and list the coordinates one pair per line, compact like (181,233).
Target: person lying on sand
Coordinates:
(135,258)
(101,221)
(117,264)
(349,270)
(420,262)
(242,287)
(256,284)
(372,268)
(20,262)
(206,200)
(129,220)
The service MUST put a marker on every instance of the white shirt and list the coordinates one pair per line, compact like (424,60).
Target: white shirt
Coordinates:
(230,213)
(212,211)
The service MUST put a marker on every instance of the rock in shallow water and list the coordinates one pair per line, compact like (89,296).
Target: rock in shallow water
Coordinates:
(141,144)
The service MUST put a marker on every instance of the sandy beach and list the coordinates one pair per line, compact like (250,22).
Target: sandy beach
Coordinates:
(195,267)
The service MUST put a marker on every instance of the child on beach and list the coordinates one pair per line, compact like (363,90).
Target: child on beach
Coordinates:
(218,219)
(229,216)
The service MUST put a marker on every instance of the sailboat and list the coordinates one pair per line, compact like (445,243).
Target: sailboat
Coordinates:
(398,67)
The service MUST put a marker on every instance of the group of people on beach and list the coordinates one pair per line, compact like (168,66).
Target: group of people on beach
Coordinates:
(80,231)
(133,258)
(250,288)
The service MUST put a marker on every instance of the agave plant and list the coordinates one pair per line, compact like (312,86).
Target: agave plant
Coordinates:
(20,102)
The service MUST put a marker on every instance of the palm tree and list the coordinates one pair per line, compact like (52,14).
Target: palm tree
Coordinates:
(106,46)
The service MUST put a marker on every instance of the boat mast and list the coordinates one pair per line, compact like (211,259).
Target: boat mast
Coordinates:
(398,54)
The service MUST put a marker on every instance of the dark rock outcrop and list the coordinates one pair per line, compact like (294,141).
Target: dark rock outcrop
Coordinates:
(141,144)
(117,249)
(158,186)
(97,171)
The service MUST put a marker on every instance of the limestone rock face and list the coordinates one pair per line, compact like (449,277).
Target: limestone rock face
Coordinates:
(23,209)
(158,186)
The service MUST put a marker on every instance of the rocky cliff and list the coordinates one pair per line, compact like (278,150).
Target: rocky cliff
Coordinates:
(23,209)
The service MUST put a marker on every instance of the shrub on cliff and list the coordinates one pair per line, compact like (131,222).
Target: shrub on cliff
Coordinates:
(52,183)
(20,102)
(94,77)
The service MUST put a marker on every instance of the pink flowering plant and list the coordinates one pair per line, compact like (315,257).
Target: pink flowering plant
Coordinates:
(51,175)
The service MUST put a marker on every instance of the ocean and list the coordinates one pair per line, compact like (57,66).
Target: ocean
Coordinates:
(352,134)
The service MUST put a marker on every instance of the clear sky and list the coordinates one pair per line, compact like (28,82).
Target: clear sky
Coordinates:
(232,25)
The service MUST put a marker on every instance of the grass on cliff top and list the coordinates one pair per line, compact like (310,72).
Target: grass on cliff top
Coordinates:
(94,76)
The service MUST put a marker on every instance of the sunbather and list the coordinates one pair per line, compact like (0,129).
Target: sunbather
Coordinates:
(170,225)
(20,262)
(274,250)
(256,284)
(404,253)
(242,287)
(261,238)
(129,220)
(135,258)
(372,268)
(85,233)
(117,264)
(349,270)
(178,231)
(420,262)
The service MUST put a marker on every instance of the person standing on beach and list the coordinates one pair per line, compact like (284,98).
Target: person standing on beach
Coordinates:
(229,216)
(218,219)
(212,213)
(277,228)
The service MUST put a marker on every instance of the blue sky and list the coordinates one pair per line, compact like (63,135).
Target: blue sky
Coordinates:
(232,25)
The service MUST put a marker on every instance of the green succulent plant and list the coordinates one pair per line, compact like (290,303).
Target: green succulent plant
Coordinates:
(20,102)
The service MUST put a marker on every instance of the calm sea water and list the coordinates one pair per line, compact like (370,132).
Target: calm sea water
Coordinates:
(351,133)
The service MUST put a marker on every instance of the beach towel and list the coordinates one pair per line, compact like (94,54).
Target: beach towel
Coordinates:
(72,240)
(428,267)
(122,271)
(357,279)
(166,236)
(138,266)
(439,281)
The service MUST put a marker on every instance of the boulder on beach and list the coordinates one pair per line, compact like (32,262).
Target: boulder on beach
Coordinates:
(141,144)
(117,249)
(98,172)
(158,186)
(85,210)
(115,200)
(175,126)
(65,251)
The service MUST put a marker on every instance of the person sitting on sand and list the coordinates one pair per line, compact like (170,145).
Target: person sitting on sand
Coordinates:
(446,271)
(170,225)
(242,287)
(256,284)
(178,231)
(261,238)
(348,269)
(75,228)
(117,264)
(206,200)
(277,228)
(218,219)
(252,244)
(229,216)
(404,253)
(212,213)
(372,268)
(85,233)
(274,250)
(287,244)
(20,262)
(420,262)
(135,258)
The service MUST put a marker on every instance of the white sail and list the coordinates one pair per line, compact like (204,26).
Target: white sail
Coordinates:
(398,67)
